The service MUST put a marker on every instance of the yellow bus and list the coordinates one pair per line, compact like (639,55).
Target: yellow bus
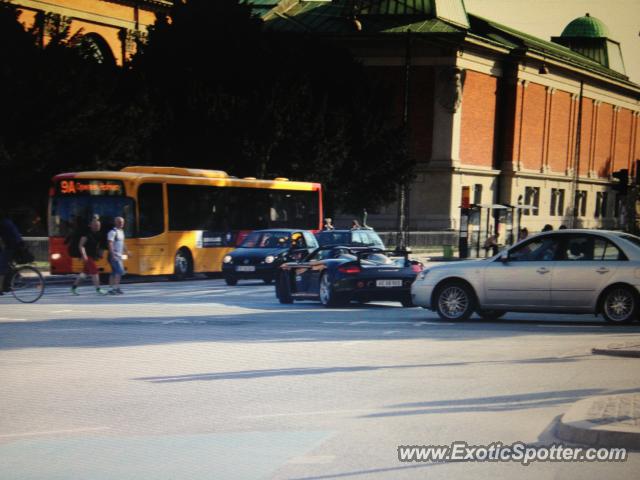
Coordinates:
(178,221)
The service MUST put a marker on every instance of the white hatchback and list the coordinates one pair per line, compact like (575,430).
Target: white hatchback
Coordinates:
(565,271)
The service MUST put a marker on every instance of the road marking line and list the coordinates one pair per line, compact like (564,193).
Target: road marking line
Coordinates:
(312,459)
(53,432)
(318,412)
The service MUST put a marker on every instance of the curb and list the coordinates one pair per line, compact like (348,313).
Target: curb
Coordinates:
(629,350)
(611,421)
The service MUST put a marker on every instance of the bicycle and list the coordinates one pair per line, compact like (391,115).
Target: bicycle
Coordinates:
(25,282)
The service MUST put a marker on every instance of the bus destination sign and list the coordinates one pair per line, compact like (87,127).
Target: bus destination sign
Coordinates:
(81,186)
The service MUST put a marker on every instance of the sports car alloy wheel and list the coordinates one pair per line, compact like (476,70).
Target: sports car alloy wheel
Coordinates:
(619,305)
(328,297)
(454,302)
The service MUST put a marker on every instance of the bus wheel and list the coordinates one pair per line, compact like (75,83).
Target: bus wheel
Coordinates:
(183,265)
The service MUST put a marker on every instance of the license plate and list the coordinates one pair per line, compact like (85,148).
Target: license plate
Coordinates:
(388,283)
(245,268)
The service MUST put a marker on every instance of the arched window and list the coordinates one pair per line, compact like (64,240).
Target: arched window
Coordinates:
(94,47)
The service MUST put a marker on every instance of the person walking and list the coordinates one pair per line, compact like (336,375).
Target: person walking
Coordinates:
(524,233)
(491,243)
(90,248)
(117,248)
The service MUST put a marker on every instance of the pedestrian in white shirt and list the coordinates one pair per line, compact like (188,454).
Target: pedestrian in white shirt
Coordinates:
(117,248)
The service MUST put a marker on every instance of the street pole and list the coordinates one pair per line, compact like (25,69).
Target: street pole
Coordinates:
(576,162)
(402,227)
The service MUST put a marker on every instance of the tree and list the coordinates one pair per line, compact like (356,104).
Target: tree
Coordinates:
(227,95)
(59,112)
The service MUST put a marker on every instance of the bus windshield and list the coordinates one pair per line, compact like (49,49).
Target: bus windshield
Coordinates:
(267,240)
(70,213)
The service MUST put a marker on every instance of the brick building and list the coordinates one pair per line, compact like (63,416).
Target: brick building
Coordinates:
(493,113)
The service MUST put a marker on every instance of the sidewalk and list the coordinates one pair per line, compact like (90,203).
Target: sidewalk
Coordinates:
(611,421)
(605,421)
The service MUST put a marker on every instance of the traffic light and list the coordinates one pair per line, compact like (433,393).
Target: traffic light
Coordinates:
(623,180)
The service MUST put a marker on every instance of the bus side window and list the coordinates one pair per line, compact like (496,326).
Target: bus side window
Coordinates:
(151,210)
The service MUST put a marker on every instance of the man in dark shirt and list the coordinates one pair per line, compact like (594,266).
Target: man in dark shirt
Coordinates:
(90,247)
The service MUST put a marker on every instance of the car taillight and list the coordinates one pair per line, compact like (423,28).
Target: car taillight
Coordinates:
(349,269)
(416,267)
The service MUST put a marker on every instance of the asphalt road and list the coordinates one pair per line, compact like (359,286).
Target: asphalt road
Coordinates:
(197,380)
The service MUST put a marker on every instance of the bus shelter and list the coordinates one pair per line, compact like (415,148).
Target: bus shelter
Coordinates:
(472,237)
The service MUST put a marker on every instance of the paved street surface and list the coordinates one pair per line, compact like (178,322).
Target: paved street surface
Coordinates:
(198,380)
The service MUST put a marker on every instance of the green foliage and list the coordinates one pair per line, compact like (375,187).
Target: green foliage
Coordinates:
(59,112)
(228,96)
(210,89)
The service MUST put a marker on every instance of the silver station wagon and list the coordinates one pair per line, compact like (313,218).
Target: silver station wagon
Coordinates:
(564,271)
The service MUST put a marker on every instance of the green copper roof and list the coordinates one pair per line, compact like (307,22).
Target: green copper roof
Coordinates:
(392,7)
(517,41)
(444,20)
(337,17)
(586,26)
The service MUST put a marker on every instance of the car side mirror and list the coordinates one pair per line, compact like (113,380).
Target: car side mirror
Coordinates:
(504,256)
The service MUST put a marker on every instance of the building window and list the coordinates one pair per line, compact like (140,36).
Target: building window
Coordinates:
(557,202)
(601,204)
(532,198)
(477,194)
(581,203)
(466,197)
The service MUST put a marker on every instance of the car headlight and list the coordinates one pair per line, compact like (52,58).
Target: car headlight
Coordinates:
(227,259)
(422,274)
(269,259)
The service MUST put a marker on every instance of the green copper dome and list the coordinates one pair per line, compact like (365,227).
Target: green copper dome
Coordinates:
(586,26)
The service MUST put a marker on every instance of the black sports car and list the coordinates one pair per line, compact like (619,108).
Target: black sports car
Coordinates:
(263,251)
(335,275)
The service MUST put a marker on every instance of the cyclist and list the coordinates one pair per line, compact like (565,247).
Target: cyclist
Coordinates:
(11,241)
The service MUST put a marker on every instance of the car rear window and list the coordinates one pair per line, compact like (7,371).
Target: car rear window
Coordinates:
(334,238)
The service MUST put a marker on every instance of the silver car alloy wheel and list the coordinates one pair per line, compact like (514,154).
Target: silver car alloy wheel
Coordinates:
(453,302)
(325,289)
(619,305)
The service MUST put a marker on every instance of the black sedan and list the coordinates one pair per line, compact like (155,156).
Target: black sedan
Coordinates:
(263,251)
(335,275)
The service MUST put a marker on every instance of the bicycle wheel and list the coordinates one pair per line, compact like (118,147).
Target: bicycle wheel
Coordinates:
(27,284)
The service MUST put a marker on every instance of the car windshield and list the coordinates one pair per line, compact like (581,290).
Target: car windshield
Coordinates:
(267,240)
